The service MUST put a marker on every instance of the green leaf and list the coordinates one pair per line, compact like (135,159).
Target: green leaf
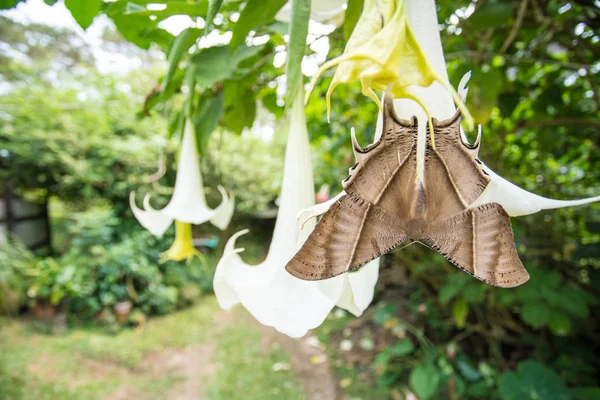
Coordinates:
(51,2)
(254,13)
(269,100)
(466,369)
(574,301)
(403,347)
(533,381)
(353,12)
(216,64)
(173,7)
(424,381)
(6,4)
(587,393)
(210,112)
(213,8)
(240,108)
(296,48)
(560,323)
(84,11)
(536,314)
(492,14)
(460,312)
(181,45)
(138,28)
(384,313)
(454,284)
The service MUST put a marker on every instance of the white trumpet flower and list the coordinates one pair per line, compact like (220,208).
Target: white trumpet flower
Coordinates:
(273,296)
(440,104)
(188,204)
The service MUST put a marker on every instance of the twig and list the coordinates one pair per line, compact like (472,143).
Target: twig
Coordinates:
(517,26)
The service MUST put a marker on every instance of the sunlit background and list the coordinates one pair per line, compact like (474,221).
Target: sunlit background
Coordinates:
(87,311)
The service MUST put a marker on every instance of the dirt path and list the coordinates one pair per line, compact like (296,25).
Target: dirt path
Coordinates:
(309,361)
(193,367)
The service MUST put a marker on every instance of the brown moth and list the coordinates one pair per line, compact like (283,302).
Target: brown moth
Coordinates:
(388,201)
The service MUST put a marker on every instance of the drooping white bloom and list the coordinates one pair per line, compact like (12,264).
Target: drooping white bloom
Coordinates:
(273,296)
(188,204)
(515,200)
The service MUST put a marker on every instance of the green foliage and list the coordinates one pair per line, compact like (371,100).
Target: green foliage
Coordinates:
(15,261)
(296,48)
(254,178)
(213,8)
(532,381)
(5,4)
(424,380)
(534,87)
(84,11)
(254,13)
(351,16)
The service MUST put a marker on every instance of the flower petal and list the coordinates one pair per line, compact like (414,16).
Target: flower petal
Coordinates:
(273,296)
(517,201)
(188,203)
(359,288)
(156,222)
(223,213)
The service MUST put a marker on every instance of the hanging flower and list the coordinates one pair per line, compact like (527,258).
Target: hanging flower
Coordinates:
(384,52)
(187,206)
(273,296)
(515,200)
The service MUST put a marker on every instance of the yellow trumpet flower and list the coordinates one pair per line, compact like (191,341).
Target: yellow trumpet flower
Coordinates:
(384,54)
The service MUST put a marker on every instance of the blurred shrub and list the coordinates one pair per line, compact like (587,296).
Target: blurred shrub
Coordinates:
(105,264)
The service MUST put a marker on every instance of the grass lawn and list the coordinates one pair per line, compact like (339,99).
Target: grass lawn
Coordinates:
(188,354)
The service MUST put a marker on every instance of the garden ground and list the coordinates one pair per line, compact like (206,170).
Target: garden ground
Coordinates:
(198,353)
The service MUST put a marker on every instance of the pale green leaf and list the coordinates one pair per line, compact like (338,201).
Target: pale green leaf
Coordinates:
(460,312)
(84,11)
(424,381)
(215,64)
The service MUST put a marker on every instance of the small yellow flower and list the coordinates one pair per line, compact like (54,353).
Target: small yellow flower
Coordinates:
(383,54)
(183,247)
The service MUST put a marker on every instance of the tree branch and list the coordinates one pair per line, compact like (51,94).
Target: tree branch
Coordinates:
(517,26)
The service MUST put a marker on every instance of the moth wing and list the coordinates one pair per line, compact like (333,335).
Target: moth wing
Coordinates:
(480,241)
(352,233)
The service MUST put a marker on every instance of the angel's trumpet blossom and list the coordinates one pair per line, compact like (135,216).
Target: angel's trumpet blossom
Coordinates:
(187,206)
(274,297)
